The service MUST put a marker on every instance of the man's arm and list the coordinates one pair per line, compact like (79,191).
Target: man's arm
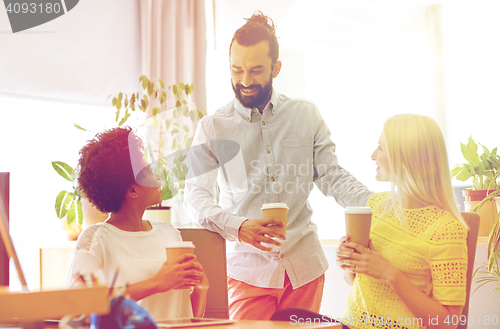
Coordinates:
(200,189)
(200,196)
(332,179)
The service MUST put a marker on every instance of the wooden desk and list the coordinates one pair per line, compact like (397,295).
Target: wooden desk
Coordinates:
(252,324)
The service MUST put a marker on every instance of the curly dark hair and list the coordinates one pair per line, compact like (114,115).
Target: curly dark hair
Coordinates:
(258,28)
(105,170)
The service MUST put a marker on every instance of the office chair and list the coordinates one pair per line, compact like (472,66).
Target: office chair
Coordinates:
(210,251)
(472,219)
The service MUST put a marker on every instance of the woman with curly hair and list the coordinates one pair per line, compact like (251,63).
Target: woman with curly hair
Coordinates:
(413,274)
(125,241)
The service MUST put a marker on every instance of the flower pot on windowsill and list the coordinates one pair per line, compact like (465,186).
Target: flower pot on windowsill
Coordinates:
(488,211)
(160,213)
(72,231)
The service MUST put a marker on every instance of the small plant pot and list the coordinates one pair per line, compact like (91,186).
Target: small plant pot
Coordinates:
(72,231)
(476,195)
(161,213)
(488,212)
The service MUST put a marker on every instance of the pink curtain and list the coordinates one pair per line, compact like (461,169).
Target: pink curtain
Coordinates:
(173,43)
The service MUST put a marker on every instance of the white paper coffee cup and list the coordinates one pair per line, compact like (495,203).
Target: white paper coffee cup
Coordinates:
(358,223)
(276,210)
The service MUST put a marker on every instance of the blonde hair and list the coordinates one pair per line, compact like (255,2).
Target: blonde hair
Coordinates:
(418,163)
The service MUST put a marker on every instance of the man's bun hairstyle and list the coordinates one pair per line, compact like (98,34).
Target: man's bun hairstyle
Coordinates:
(258,28)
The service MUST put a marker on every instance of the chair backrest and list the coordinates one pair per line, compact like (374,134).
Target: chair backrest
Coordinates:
(210,250)
(472,220)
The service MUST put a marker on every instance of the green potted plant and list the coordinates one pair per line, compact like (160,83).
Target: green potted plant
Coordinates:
(484,169)
(75,211)
(166,132)
(68,203)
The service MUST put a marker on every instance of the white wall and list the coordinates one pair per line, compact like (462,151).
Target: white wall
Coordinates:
(83,56)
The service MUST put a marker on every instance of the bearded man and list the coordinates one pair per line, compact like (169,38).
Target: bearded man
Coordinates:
(286,149)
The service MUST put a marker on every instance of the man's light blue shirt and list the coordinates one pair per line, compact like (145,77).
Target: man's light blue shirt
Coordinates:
(285,151)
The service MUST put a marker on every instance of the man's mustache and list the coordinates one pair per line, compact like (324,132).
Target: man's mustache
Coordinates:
(239,86)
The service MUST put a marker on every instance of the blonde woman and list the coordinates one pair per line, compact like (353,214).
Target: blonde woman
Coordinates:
(413,274)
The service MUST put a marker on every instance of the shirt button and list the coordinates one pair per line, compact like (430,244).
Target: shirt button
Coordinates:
(272,179)
(282,256)
(248,118)
(263,123)
(268,151)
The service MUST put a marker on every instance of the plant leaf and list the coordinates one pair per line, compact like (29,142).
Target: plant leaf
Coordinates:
(166,193)
(75,214)
(162,84)
(486,152)
(176,172)
(475,182)
(63,169)
(77,126)
(175,90)
(117,115)
(124,119)
(145,81)
(62,201)
(469,152)
(79,211)
(463,176)
(151,88)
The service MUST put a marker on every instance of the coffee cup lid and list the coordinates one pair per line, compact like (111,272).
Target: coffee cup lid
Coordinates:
(358,210)
(274,205)
(180,244)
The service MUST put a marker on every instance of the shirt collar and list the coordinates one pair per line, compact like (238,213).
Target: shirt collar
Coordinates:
(246,113)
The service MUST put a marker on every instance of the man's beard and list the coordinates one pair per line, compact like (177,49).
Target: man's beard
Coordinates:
(255,100)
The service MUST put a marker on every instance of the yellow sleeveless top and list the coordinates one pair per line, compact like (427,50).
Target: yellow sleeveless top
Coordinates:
(431,252)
